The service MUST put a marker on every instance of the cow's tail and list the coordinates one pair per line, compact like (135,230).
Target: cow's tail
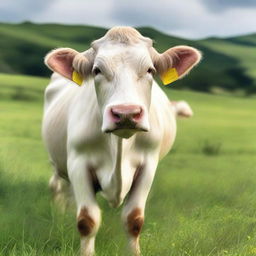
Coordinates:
(182,109)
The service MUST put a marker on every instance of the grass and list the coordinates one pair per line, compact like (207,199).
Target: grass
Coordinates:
(244,53)
(201,203)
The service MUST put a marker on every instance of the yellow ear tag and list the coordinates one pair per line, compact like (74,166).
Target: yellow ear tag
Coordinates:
(77,78)
(169,76)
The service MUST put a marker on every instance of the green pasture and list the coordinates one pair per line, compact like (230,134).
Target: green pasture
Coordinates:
(202,203)
(244,52)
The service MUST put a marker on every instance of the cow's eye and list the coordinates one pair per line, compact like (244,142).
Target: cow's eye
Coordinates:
(96,71)
(151,71)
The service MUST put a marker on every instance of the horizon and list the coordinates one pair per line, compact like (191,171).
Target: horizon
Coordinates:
(137,27)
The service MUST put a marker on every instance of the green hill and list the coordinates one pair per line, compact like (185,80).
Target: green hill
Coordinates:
(227,64)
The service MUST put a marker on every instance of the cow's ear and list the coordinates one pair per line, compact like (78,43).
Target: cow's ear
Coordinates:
(61,61)
(176,62)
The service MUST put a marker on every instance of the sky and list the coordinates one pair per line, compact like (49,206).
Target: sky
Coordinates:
(184,18)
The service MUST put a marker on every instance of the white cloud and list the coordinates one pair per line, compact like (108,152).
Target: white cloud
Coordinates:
(223,5)
(15,11)
(233,21)
(94,12)
(190,19)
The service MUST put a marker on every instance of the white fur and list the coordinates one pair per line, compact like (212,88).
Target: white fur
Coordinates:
(74,118)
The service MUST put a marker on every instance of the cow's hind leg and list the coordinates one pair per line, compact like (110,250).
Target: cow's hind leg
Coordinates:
(60,189)
(88,212)
(133,211)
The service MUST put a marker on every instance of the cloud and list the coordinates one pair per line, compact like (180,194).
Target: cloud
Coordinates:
(223,5)
(96,12)
(163,13)
(16,11)
(168,16)
(189,19)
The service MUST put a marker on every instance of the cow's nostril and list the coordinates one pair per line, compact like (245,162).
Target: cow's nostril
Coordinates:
(124,113)
(115,115)
(137,116)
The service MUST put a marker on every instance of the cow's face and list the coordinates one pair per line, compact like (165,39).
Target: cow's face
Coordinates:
(123,78)
(122,64)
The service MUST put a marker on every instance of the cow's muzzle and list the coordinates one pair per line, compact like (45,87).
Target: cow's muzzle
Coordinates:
(126,119)
(126,115)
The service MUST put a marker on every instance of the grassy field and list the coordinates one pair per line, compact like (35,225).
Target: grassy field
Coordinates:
(203,200)
(243,52)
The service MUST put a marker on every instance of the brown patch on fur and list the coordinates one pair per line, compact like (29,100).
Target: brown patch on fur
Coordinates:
(135,222)
(85,223)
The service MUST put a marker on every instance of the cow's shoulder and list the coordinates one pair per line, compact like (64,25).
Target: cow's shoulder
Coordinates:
(56,86)
(164,120)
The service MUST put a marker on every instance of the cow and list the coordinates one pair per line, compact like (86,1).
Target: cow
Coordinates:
(109,134)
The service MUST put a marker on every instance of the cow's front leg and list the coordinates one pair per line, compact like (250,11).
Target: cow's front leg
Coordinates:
(88,212)
(133,211)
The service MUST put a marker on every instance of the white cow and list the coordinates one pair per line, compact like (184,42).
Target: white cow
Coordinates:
(109,134)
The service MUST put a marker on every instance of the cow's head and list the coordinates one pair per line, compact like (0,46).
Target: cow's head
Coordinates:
(122,64)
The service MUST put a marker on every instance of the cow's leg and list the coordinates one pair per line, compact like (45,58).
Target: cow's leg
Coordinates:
(133,211)
(60,189)
(88,212)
